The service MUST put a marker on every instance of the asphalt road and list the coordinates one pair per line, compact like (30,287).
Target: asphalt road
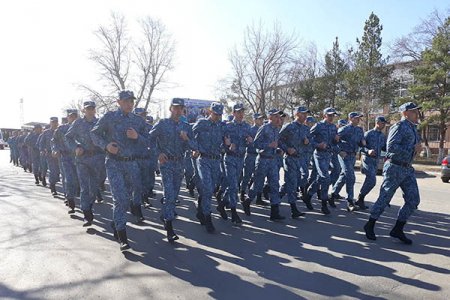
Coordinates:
(46,254)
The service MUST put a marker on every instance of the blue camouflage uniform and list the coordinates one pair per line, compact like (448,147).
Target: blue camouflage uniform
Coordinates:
(23,150)
(31,142)
(46,148)
(122,169)
(267,164)
(398,171)
(250,158)
(293,135)
(209,136)
(334,163)
(351,138)
(238,133)
(68,168)
(375,140)
(323,132)
(166,134)
(88,164)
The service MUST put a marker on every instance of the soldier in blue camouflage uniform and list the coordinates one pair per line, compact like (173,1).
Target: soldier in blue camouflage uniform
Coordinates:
(266,143)
(144,160)
(375,143)
(24,159)
(173,137)
(335,165)
(46,151)
(119,133)
(153,167)
(250,160)
(351,138)
(31,142)
(310,121)
(66,155)
(403,143)
(239,134)
(89,159)
(294,141)
(209,135)
(12,142)
(324,137)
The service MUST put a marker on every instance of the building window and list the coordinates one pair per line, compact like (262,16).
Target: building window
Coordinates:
(433,133)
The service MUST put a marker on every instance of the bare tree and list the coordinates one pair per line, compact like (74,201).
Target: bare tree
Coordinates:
(153,58)
(410,46)
(260,64)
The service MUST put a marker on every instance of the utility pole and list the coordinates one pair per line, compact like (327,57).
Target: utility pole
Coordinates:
(21,117)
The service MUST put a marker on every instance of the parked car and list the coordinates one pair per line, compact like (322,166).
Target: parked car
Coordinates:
(445,169)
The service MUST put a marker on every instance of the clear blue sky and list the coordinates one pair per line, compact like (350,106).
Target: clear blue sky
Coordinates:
(45,43)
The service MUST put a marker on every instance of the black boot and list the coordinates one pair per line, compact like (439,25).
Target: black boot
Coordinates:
(138,213)
(397,232)
(219,195)
(123,240)
(88,217)
(360,202)
(44,182)
(36,179)
(266,191)
(369,229)
(246,206)
(295,213)
(116,235)
(351,206)
(260,201)
(331,200)
(242,196)
(209,225)
(275,213)
(324,208)
(99,197)
(221,210)
(200,216)
(71,205)
(53,189)
(235,219)
(307,200)
(171,236)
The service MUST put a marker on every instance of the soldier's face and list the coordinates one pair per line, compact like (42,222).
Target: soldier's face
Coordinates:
(329,118)
(238,115)
(275,119)
(54,124)
(259,122)
(215,117)
(177,111)
(412,115)
(126,105)
(381,125)
(89,112)
(355,121)
(301,117)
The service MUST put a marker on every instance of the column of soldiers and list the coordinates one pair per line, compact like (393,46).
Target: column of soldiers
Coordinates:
(232,161)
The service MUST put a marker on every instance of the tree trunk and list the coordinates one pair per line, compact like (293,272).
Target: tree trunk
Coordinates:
(442,130)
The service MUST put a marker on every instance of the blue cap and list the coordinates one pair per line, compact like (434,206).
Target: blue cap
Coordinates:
(330,111)
(380,119)
(54,119)
(408,106)
(310,119)
(354,114)
(36,126)
(230,118)
(238,106)
(342,122)
(126,95)
(257,116)
(177,102)
(139,110)
(149,119)
(217,108)
(274,111)
(302,109)
(72,112)
(88,104)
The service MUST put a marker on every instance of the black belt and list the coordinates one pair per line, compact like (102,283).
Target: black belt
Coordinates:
(236,154)
(175,158)
(399,163)
(204,155)
(122,158)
